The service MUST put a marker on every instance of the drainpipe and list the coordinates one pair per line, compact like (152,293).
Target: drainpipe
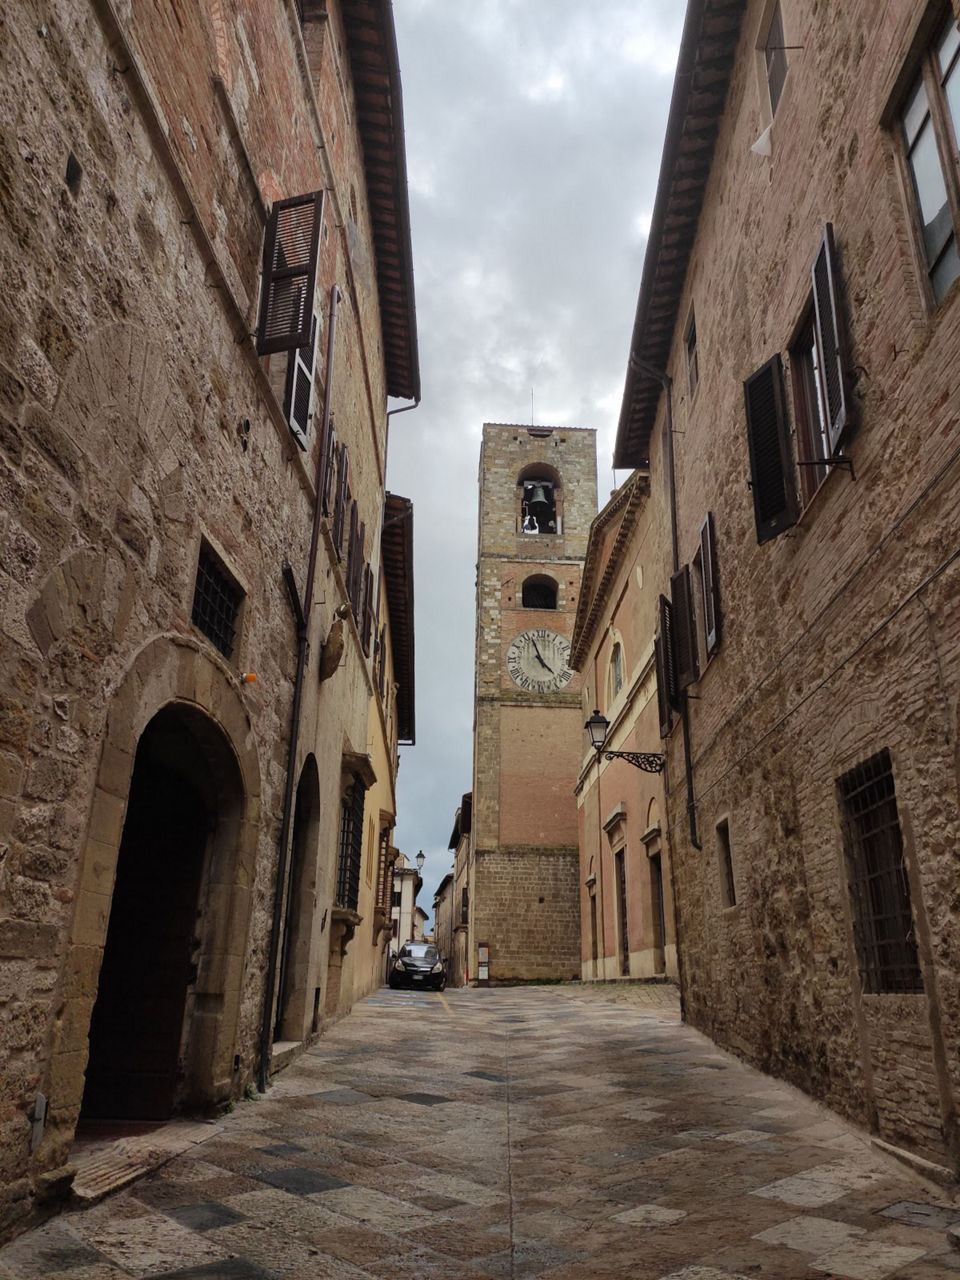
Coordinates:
(301,613)
(667,383)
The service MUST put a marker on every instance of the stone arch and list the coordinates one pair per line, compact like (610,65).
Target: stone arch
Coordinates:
(168,672)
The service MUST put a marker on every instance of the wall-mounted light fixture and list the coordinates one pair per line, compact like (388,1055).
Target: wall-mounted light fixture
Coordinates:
(598,727)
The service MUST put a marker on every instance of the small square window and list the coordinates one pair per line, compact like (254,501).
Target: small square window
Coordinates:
(216,602)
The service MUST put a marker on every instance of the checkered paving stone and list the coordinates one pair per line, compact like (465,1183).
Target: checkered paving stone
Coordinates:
(572,1133)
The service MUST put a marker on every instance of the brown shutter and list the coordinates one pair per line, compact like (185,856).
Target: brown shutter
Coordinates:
(774,496)
(289,280)
(328,469)
(684,629)
(382,662)
(827,327)
(711,593)
(663,703)
(355,561)
(340,505)
(367,630)
(299,388)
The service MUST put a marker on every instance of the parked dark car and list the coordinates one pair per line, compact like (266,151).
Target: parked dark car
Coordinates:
(418,964)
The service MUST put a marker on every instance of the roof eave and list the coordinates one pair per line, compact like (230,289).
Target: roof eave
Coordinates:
(711,32)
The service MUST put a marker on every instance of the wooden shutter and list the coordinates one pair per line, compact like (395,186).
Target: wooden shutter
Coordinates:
(289,281)
(340,504)
(366,633)
(684,629)
(663,702)
(774,495)
(299,389)
(328,469)
(355,560)
(827,332)
(711,592)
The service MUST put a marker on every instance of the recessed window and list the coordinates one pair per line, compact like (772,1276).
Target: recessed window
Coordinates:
(813,445)
(351,845)
(879,889)
(616,670)
(693,371)
(539,592)
(216,602)
(930,127)
(775,58)
(728,888)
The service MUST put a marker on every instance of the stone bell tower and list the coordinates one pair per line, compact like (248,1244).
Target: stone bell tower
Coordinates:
(538,496)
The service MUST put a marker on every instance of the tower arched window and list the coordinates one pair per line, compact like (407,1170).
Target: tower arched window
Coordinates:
(539,592)
(539,494)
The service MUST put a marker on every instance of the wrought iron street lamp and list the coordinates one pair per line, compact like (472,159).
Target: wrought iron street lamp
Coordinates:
(598,726)
(420,860)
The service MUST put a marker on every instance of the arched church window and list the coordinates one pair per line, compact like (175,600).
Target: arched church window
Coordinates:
(539,592)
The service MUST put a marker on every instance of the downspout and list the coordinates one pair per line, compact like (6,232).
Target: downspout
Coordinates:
(301,613)
(667,383)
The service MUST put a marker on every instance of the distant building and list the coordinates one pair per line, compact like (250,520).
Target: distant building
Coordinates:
(443,905)
(538,495)
(406,885)
(626,918)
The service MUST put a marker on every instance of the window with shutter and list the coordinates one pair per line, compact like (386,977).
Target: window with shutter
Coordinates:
(290,249)
(667,664)
(366,633)
(929,125)
(328,469)
(663,703)
(684,630)
(774,495)
(298,397)
(828,339)
(340,504)
(355,563)
(710,593)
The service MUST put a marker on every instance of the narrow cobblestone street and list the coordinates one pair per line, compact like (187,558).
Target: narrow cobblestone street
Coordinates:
(568,1133)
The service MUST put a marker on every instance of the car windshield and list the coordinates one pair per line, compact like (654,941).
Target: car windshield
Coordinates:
(419,951)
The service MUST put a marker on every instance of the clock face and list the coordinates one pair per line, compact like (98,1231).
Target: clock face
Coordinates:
(537,661)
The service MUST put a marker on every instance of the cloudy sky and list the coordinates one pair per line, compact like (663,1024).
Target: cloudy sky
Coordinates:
(534,130)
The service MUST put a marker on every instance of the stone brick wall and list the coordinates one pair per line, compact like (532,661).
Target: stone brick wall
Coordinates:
(139,155)
(842,635)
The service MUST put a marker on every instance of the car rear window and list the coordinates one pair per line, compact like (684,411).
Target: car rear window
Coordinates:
(419,951)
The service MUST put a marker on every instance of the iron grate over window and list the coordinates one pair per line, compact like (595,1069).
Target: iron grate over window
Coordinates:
(351,845)
(216,603)
(879,890)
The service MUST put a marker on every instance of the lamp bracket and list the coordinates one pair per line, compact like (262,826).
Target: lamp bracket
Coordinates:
(649,761)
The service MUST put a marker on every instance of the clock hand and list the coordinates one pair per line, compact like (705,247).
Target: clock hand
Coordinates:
(540,656)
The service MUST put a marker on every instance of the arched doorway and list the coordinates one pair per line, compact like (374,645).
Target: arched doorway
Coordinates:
(292,1005)
(184,793)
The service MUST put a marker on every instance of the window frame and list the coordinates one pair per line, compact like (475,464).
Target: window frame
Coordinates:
(692,354)
(925,71)
(775,17)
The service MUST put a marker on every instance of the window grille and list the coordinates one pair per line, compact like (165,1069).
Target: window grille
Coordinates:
(216,603)
(879,891)
(351,845)
(464,906)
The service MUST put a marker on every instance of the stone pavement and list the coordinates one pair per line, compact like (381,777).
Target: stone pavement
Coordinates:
(566,1133)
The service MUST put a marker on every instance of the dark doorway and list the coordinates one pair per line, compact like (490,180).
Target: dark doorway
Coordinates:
(622,914)
(656,903)
(136,1029)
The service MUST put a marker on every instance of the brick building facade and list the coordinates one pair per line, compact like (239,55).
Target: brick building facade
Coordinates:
(537,499)
(174,518)
(793,393)
(626,898)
